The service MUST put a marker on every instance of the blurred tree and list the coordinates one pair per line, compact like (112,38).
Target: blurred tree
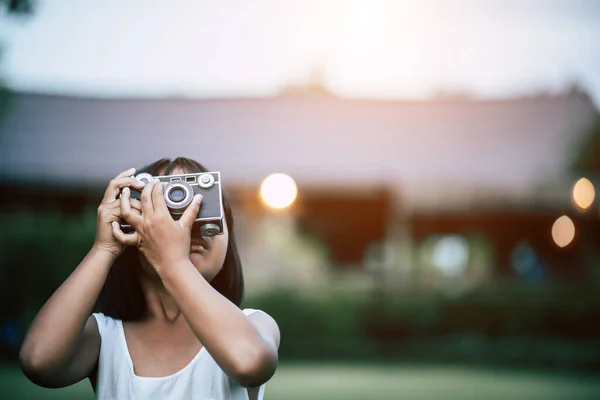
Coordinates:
(6,97)
(5,100)
(18,7)
(13,8)
(587,161)
(314,86)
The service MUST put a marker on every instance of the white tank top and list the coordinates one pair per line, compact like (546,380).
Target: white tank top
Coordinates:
(201,379)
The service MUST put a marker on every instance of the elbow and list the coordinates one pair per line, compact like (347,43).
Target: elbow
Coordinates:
(34,366)
(31,364)
(256,369)
(27,360)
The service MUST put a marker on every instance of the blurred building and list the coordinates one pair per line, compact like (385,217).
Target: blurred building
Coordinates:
(413,191)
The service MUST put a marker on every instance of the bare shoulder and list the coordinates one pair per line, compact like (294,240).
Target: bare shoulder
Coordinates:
(89,347)
(91,333)
(91,344)
(86,355)
(266,325)
(269,329)
(91,326)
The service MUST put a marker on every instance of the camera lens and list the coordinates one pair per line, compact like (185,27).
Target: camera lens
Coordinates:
(176,195)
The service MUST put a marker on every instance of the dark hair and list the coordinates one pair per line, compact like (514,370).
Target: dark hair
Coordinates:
(122,296)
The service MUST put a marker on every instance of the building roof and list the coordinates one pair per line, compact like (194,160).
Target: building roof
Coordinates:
(509,145)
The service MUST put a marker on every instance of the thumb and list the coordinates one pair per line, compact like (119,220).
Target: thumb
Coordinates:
(190,214)
(121,237)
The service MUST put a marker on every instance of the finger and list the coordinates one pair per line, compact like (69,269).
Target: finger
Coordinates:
(127,214)
(128,172)
(110,188)
(136,205)
(115,186)
(130,181)
(191,212)
(123,238)
(158,199)
(111,206)
(147,207)
(108,212)
(115,207)
(126,182)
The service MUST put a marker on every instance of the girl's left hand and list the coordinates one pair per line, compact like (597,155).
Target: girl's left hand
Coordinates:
(162,240)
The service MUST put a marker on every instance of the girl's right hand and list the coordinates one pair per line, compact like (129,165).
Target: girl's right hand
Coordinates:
(110,210)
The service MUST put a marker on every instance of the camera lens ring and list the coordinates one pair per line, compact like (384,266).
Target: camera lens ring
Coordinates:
(178,207)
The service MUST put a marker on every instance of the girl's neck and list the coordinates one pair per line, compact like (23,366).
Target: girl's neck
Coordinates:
(160,303)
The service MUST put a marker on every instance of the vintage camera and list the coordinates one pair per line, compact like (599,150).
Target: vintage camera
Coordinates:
(179,192)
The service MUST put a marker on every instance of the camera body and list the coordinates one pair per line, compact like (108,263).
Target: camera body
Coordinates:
(179,191)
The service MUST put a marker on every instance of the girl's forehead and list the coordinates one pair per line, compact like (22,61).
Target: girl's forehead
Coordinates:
(176,171)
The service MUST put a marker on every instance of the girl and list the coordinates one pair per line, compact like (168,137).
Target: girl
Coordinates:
(171,326)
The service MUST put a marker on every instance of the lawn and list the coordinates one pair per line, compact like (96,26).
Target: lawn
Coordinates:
(372,382)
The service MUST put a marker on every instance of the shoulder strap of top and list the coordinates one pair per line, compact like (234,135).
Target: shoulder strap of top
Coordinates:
(106,325)
(100,321)
(250,311)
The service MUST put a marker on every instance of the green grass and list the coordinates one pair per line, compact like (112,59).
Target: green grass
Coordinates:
(371,382)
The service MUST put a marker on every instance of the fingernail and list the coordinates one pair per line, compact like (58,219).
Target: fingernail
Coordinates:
(126,191)
(115,224)
(197,198)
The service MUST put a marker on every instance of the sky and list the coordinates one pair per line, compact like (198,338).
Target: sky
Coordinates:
(362,49)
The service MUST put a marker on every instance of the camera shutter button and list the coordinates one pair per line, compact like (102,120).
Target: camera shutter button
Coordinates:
(206,181)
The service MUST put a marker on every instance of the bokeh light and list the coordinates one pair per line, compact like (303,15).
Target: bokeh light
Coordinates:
(278,191)
(563,231)
(583,193)
(451,254)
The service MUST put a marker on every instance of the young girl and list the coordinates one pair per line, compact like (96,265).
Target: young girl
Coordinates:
(171,326)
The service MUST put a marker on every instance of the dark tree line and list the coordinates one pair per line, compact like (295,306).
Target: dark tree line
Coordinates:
(18,6)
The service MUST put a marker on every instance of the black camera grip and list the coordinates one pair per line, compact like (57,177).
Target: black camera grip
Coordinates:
(134,194)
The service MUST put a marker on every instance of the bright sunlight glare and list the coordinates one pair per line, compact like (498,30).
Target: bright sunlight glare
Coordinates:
(278,190)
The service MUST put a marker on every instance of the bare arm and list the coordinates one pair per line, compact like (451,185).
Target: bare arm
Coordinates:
(245,347)
(63,343)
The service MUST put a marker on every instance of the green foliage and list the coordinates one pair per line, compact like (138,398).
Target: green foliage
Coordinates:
(324,326)
(38,250)
(510,324)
